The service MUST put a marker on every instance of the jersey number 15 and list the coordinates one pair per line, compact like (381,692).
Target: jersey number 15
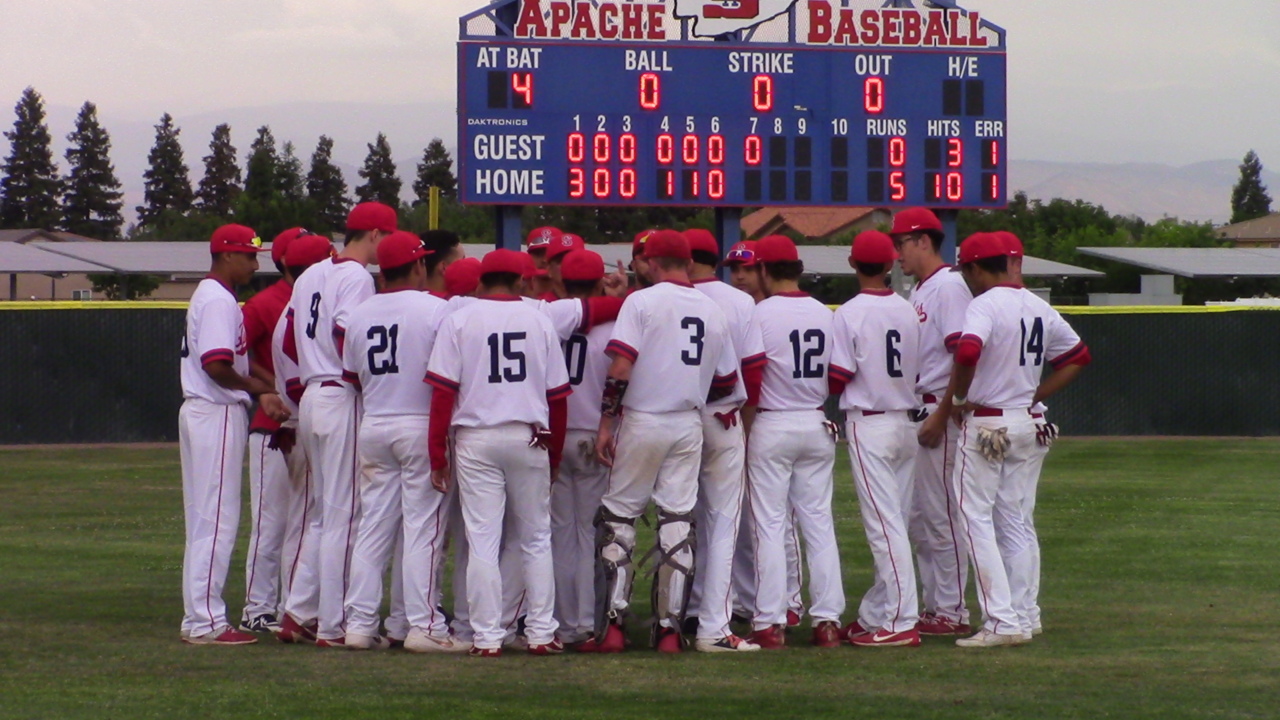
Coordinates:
(514,369)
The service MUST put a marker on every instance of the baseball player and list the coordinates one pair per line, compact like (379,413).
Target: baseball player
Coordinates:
(213,427)
(744,272)
(722,475)
(639,264)
(462,278)
(303,515)
(269,488)
(1009,335)
(671,342)
(940,297)
(445,249)
(509,412)
(537,244)
(875,356)
(389,341)
(323,299)
(555,253)
(577,492)
(791,455)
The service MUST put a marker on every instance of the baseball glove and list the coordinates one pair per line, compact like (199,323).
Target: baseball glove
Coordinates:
(993,443)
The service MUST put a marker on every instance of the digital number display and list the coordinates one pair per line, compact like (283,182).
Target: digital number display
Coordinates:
(714,124)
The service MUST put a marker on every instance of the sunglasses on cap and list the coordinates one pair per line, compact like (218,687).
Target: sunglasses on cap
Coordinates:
(743,255)
(255,241)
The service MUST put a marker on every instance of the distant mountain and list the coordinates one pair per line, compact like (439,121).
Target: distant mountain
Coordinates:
(1200,192)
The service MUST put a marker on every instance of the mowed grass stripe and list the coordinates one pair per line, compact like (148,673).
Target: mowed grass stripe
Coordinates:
(1160,560)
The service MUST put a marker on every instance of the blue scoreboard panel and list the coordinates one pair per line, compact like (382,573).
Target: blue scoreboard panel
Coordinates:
(719,124)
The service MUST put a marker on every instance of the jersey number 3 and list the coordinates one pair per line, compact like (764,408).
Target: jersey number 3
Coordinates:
(698,338)
(498,371)
(385,342)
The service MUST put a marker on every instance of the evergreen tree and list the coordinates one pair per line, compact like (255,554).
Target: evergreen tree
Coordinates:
(1249,198)
(221,182)
(30,188)
(379,172)
(168,183)
(436,169)
(289,179)
(91,203)
(260,175)
(326,188)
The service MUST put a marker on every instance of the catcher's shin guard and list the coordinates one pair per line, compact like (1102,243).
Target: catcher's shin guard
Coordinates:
(673,576)
(615,542)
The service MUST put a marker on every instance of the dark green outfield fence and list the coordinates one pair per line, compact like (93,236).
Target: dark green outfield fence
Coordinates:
(108,372)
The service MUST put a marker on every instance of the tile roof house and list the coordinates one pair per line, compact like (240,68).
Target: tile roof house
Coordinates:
(1263,232)
(814,224)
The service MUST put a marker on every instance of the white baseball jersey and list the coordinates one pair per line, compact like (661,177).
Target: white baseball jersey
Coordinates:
(588,366)
(797,332)
(737,307)
(323,298)
(387,347)
(215,331)
(1018,333)
(678,340)
(940,301)
(567,315)
(876,351)
(287,373)
(503,359)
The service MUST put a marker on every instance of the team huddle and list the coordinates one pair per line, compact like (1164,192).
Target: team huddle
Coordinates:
(522,411)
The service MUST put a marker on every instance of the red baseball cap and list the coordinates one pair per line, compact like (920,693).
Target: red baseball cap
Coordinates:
(744,253)
(400,248)
(872,247)
(776,248)
(980,246)
(280,246)
(916,219)
(637,245)
(462,277)
(702,240)
(540,239)
(667,244)
(1012,244)
(582,265)
(372,216)
(235,238)
(563,244)
(506,261)
(308,250)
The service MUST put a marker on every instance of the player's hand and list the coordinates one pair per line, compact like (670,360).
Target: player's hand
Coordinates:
(932,431)
(615,283)
(274,407)
(606,446)
(440,479)
(958,413)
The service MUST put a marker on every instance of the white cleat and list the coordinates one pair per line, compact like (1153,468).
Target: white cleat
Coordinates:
(986,638)
(420,642)
(367,642)
(726,644)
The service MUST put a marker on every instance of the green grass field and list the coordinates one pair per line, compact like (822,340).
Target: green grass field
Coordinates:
(1160,600)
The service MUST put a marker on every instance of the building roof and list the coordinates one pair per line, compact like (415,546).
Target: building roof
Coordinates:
(26,235)
(1263,228)
(144,258)
(16,257)
(1195,262)
(809,222)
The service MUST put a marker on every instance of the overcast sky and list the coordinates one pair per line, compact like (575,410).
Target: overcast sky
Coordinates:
(1176,81)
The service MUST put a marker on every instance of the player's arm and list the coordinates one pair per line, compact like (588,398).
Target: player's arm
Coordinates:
(221,371)
(444,366)
(615,390)
(968,352)
(255,331)
(1066,368)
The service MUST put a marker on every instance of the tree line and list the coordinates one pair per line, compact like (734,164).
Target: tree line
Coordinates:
(274,191)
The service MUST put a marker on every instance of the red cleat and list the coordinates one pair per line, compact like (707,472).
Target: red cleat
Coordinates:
(852,630)
(826,634)
(793,619)
(485,652)
(555,647)
(669,641)
(884,638)
(291,631)
(936,625)
(614,640)
(228,636)
(773,637)
(340,643)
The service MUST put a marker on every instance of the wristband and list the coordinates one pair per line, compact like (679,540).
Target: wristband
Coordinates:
(614,391)
(957,401)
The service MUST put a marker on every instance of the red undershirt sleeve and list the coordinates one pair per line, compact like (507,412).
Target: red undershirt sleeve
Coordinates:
(559,427)
(753,378)
(290,345)
(442,402)
(600,310)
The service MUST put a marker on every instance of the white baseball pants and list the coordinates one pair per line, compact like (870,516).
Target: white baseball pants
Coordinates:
(396,493)
(718,514)
(882,451)
(269,498)
(942,555)
(991,496)
(1028,604)
(301,594)
(657,458)
(211,441)
(327,423)
(744,563)
(575,498)
(790,461)
(500,476)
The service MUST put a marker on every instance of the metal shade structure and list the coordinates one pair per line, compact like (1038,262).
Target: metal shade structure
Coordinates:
(143,258)
(1195,262)
(19,258)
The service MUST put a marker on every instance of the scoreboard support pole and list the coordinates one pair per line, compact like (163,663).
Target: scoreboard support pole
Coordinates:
(950,226)
(728,232)
(507,226)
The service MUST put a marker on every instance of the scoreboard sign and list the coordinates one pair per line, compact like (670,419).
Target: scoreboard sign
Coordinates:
(682,103)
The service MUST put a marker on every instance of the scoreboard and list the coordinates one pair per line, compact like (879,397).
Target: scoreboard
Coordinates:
(558,122)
